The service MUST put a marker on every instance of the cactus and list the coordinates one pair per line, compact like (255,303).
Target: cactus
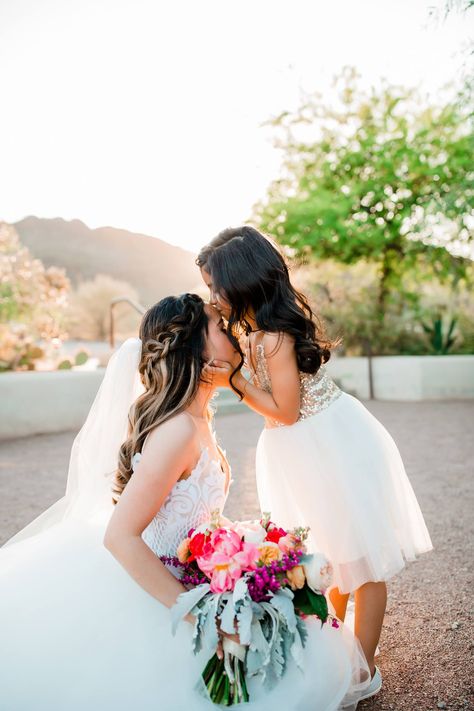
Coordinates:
(441,342)
(65,365)
(81,358)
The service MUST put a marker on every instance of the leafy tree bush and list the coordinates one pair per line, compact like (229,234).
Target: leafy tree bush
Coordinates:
(346,298)
(380,178)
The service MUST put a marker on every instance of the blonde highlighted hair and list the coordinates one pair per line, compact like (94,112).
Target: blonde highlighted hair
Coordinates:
(173,334)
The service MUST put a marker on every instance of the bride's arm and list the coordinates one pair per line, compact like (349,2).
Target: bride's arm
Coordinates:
(171,449)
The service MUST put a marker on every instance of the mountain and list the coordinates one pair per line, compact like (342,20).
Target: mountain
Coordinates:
(153,267)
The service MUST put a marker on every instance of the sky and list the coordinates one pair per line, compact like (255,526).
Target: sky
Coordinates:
(147,115)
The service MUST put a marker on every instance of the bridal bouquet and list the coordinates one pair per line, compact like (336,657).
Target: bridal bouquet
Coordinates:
(254,579)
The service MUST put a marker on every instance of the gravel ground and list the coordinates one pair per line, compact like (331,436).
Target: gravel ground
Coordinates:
(427,643)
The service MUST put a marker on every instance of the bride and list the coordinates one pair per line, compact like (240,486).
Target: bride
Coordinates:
(84,597)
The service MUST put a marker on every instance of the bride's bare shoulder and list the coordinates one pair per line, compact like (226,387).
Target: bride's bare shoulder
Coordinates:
(177,432)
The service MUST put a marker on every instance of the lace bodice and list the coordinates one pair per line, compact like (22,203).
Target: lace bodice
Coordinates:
(188,505)
(317,391)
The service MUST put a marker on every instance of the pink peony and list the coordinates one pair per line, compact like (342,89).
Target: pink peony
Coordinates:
(225,541)
(225,558)
(248,557)
(222,570)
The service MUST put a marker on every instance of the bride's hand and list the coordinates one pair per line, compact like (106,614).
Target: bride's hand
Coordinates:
(220,645)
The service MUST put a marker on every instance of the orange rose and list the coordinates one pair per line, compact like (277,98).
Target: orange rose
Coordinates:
(296,577)
(183,551)
(269,552)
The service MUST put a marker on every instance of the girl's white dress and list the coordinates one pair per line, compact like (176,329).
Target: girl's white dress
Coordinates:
(77,632)
(338,470)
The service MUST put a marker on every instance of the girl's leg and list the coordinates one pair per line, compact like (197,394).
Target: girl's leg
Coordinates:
(339,602)
(370,603)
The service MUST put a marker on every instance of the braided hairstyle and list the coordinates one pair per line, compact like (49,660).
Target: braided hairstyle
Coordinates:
(173,334)
(249,271)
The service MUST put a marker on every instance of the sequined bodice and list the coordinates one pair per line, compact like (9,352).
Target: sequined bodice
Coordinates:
(189,504)
(317,391)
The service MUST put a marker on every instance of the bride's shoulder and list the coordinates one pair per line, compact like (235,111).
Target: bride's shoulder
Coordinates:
(177,432)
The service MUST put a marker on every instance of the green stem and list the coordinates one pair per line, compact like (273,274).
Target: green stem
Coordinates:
(209,668)
(227,699)
(243,682)
(213,682)
(219,692)
(220,689)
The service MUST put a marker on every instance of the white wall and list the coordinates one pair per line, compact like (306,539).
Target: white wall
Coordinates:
(56,401)
(34,403)
(407,377)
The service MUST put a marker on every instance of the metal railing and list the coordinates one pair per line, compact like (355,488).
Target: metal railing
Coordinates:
(121,300)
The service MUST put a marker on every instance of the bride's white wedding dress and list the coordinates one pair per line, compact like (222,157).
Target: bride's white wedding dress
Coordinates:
(77,632)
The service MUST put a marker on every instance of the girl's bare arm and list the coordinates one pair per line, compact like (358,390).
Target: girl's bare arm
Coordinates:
(283,403)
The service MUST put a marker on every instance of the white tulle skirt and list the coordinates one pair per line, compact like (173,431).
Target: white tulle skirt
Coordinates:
(340,473)
(77,633)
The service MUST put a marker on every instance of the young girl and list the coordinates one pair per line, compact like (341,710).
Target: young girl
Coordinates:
(84,596)
(322,458)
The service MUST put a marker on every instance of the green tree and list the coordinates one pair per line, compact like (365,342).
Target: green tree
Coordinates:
(377,176)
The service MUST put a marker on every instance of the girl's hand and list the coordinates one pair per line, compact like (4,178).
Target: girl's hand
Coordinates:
(220,371)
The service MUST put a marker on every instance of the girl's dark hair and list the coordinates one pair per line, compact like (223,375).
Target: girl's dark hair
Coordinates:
(249,271)
(173,334)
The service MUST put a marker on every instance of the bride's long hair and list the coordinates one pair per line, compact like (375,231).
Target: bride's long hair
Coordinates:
(173,335)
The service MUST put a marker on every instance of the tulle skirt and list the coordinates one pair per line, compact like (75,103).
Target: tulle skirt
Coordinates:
(77,632)
(341,473)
